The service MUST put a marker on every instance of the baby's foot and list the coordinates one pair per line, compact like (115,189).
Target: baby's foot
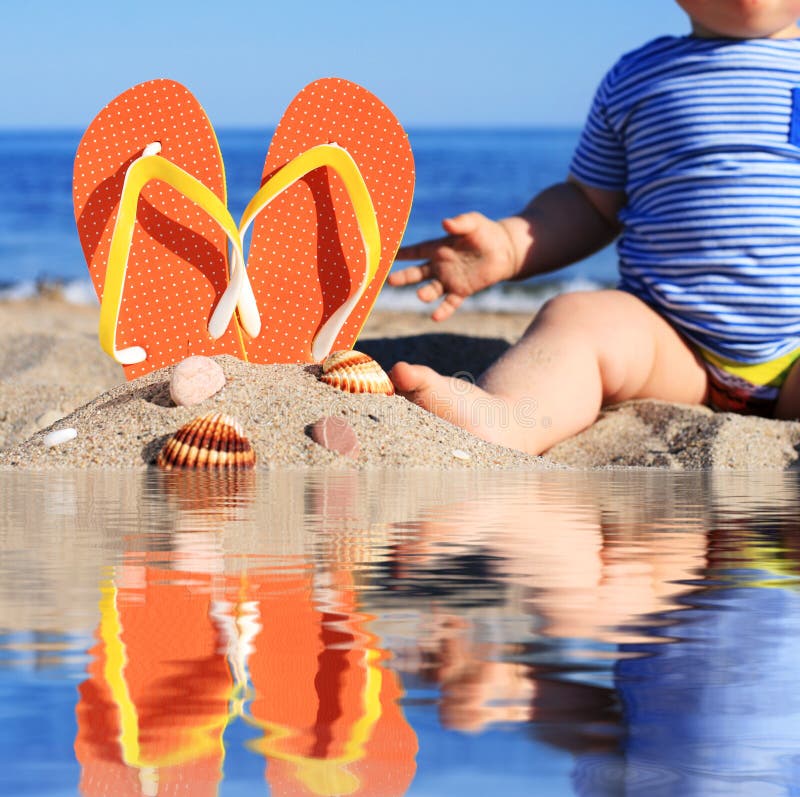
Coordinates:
(458,401)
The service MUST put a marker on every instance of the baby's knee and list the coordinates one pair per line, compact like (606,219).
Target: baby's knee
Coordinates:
(594,309)
(574,308)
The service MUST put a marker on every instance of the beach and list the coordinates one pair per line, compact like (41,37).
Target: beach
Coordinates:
(54,375)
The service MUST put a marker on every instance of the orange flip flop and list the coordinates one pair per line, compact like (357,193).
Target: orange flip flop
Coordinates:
(149,195)
(327,222)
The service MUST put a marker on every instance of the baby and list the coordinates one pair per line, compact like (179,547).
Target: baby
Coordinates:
(691,157)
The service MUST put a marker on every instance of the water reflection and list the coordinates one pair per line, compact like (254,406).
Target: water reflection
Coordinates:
(188,645)
(384,633)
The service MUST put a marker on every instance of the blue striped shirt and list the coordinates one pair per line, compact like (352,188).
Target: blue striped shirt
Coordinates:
(703,136)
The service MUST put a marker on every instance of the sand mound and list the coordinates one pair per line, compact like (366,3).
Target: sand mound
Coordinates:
(128,425)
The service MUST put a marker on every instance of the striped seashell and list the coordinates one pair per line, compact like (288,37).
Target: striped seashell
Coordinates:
(210,442)
(355,372)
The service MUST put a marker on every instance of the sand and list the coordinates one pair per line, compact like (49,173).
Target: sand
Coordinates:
(54,375)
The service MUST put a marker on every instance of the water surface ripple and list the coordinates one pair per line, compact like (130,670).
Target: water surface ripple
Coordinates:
(391,633)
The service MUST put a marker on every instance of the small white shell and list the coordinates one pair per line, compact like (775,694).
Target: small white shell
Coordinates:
(59,436)
(459,454)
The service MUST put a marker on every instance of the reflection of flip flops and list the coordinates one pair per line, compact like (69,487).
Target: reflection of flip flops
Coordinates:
(149,194)
(325,701)
(156,631)
(326,239)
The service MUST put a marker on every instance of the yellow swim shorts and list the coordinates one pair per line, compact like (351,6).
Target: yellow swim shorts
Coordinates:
(747,389)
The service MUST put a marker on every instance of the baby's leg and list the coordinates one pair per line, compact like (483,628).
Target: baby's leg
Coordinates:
(582,350)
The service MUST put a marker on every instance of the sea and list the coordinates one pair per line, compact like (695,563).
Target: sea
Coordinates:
(495,172)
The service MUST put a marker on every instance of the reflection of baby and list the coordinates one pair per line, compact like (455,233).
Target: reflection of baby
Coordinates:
(477,689)
(690,155)
(581,567)
(717,711)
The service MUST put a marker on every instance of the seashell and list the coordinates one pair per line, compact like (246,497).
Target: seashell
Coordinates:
(59,436)
(212,441)
(355,372)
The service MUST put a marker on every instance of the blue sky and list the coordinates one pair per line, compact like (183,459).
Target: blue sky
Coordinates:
(434,62)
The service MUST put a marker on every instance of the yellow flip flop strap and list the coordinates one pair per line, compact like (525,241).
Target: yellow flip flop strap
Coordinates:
(318,774)
(113,672)
(152,167)
(199,740)
(338,159)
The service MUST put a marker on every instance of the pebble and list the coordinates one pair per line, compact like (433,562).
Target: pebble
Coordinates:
(194,380)
(59,436)
(459,454)
(336,435)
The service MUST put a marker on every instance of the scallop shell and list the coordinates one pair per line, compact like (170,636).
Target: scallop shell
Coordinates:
(210,442)
(355,372)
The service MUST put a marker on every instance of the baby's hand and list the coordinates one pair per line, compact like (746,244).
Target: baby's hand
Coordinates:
(476,253)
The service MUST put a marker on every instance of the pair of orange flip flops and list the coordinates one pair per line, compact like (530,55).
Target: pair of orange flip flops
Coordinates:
(167,259)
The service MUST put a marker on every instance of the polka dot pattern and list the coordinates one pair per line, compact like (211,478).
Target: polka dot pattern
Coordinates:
(306,254)
(177,268)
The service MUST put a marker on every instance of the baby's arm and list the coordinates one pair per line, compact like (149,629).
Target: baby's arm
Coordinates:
(564,224)
(561,225)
